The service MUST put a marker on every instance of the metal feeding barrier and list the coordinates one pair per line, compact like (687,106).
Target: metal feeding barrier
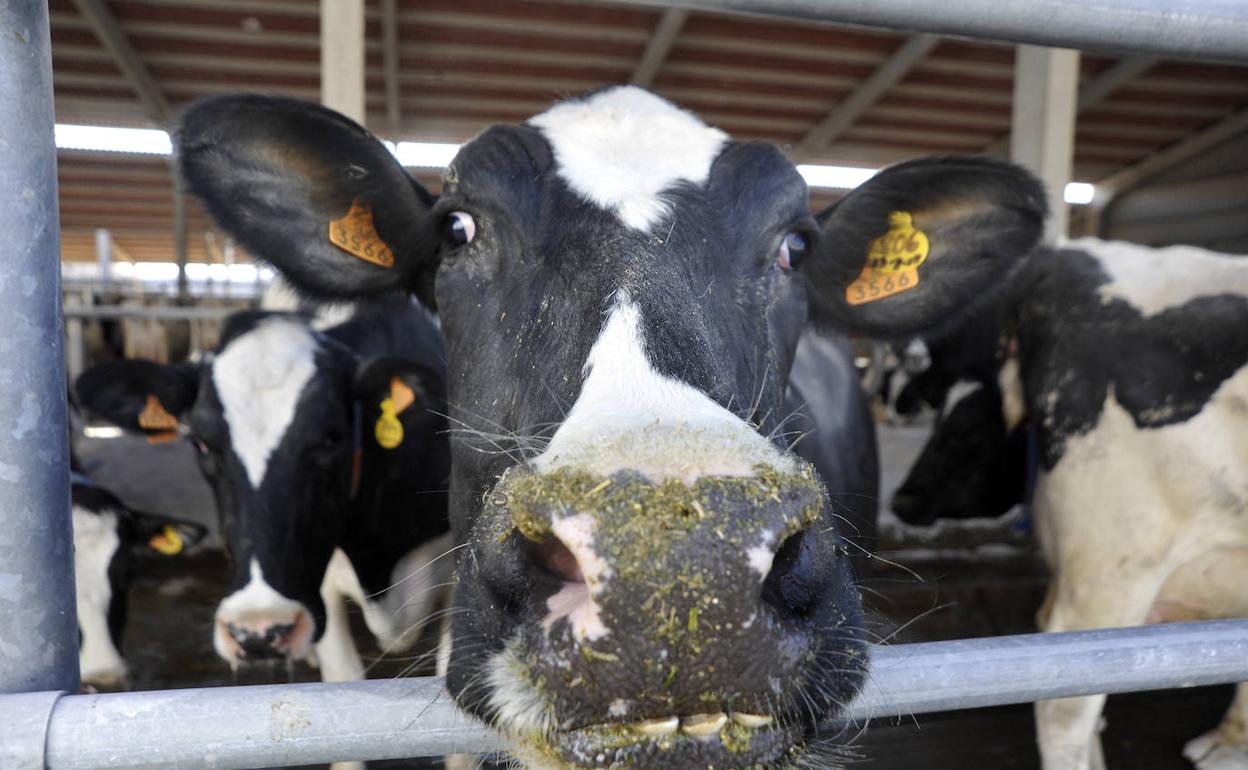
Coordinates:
(240,727)
(271,725)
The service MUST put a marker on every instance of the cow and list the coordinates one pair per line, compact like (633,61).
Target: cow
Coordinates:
(1124,366)
(647,576)
(327,455)
(110,541)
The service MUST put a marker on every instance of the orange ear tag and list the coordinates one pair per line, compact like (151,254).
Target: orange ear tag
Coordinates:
(400,395)
(168,542)
(163,437)
(893,262)
(355,234)
(155,417)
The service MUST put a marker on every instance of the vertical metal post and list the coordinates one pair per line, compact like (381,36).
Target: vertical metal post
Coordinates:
(342,57)
(1046,90)
(179,228)
(39,633)
(74,358)
(104,254)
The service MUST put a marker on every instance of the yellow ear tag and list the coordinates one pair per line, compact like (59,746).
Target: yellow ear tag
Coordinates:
(155,417)
(893,262)
(168,542)
(355,234)
(388,431)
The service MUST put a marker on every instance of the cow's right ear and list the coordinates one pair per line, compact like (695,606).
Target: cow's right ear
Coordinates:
(312,193)
(139,395)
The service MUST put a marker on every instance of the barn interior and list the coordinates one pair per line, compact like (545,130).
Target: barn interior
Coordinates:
(1151,150)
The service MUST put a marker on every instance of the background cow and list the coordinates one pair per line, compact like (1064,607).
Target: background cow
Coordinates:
(327,457)
(110,541)
(1128,366)
(655,578)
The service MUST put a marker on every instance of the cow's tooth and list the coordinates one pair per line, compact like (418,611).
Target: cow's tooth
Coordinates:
(657,726)
(701,725)
(751,720)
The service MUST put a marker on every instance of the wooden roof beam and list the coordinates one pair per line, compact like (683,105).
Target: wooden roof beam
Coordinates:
(108,30)
(866,94)
(665,34)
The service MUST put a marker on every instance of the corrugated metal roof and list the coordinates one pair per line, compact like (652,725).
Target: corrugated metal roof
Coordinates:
(465,64)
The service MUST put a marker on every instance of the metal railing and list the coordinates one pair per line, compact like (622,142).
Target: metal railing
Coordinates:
(1213,30)
(268,725)
(241,727)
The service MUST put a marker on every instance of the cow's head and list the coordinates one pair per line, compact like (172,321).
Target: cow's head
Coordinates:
(974,464)
(646,578)
(109,540)
(278,416)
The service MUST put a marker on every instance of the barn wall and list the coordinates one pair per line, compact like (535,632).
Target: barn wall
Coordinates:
(1203,202)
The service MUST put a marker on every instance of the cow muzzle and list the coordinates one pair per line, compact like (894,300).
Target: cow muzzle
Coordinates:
(677,621)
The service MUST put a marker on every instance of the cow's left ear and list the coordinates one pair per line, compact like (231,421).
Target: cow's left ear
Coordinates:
(918,244)
(312,193)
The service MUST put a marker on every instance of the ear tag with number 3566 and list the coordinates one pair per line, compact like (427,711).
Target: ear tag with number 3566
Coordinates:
(893,262)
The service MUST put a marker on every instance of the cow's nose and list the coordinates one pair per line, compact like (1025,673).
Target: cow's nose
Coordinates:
(265,642)
(671,587)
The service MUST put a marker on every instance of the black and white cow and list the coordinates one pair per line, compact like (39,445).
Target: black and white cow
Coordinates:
(656,582)
(328,459)
(1128,365)
(110,540)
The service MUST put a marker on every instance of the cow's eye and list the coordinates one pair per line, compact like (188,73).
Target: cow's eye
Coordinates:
(459,228)
(792,251)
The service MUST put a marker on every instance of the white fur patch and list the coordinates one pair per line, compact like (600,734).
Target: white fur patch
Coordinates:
(763,555)
(575,601)
(257,602)
(518,708)
(960,390)
(628,416)
(623,147)
(95,543)
(1013,404)
(1152,280)
(259,377)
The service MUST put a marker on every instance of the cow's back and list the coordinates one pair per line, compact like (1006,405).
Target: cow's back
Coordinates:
(1135,367)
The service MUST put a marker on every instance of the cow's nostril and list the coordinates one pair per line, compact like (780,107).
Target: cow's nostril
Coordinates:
(553,557)
(794,586)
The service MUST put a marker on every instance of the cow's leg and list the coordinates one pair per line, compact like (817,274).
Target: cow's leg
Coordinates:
(1225,748)
(339,659)
(1098,597)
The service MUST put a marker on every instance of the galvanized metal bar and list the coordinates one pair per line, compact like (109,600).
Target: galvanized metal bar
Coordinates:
(1216,30)
(156,312)
(38,630)
(659,46)
(242,727)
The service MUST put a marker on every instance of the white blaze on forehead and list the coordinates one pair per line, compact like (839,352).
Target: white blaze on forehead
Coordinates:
(623,147)
(575,601)
(259,377)
(1152,280)
(630,417)
(95,543)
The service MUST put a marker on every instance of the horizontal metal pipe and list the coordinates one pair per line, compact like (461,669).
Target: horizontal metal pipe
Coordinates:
(244,727)
(1215,30)
(157,312)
